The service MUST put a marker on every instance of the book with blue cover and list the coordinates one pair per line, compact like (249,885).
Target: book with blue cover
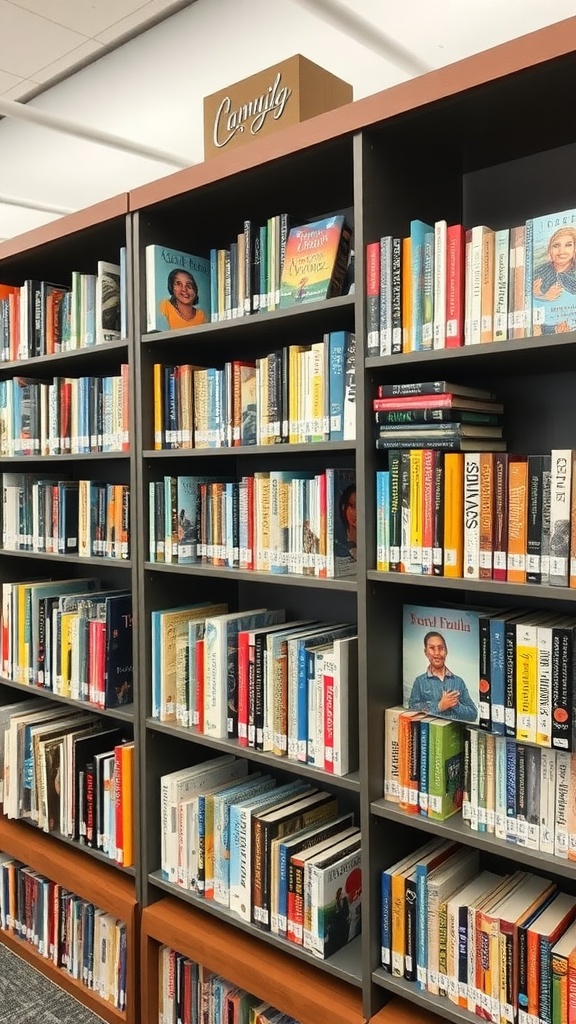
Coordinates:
(553,261)
(177,289)
(441,661)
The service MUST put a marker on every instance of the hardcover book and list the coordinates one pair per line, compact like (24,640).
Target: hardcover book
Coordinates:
(554,273)
(177,289)
(316,261)
(441,662)
(108,318)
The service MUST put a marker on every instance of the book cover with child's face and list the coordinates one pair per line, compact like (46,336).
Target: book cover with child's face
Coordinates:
(440,652)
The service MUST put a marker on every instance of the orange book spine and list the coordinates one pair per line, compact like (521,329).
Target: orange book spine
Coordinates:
(118,819)
(572,988)
(127,801)
(517,519)
(404,761)
(453,514)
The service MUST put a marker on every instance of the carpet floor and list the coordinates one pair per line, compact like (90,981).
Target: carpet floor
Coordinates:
(27,997)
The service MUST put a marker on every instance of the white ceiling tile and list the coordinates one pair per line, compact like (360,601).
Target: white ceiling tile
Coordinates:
(86,16)
(82,53)
(148,12)
(23,88)
(29,42)
(8,81)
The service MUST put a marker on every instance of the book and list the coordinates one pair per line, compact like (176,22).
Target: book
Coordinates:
(448,639)
(108,317)
(336,898)
(440,401)
(177,289)
(315,262)
(341,525)
(554,272)
(434,387)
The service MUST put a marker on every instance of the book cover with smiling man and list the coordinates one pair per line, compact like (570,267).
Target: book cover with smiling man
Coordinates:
(440,660)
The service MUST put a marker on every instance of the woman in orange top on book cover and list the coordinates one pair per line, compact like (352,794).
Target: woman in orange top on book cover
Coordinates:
(180,309)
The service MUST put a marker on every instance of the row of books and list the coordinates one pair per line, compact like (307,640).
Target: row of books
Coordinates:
(67,517)
(510,671)
(67,415)
(502,947)
(289,688)
(188,993)
(437,414)
(268,266)
(297,394)
(67,772)
(79,938)
(69,636)
(520,793)
(40,318)
(251,862)
(277,521)
(478,515)
(444,286)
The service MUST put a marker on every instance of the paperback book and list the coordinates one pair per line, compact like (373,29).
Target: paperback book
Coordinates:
(554,273)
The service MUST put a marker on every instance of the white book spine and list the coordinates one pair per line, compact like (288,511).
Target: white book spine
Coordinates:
(501,275)
(560,483)
(472,515)
(547,801)
(440,229)
(563,770)
(215,679)
(544,683)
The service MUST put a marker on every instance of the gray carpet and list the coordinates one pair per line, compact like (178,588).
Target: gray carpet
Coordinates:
(27,997)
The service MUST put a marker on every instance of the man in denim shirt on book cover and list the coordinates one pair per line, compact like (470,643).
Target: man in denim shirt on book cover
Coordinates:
(438,691)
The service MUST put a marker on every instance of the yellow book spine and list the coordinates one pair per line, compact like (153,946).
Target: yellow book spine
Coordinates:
(487,286)
(453,514)
(526,682)
(398,937)
(158,407)
(517,520)
(22,664)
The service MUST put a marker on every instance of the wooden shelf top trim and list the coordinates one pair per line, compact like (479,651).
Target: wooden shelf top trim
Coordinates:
(99,213)
(546,44)
(291,984)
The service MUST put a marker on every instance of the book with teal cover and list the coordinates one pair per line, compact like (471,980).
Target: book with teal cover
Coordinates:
(177,289)
(553,261)
(316,261)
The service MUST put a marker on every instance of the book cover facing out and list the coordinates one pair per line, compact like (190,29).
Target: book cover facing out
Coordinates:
(440,661)
(554,273)
(177,289)
(315,261)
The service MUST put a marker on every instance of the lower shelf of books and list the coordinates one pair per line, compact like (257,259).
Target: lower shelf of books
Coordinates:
(400,1011)
(432,1004)
(345,964)
(50,891)
(285,980)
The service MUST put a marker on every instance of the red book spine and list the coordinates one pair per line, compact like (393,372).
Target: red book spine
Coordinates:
(500,518)
(243,685)
(455,243)
(373,299)
(118,852)
(328,685)
(443,401)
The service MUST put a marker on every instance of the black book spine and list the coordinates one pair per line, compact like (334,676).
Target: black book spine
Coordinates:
(562,687)
(485,718)
(534,532)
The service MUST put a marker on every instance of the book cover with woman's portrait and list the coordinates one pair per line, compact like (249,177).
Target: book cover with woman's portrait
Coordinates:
(177,289)
(554,273)
(440,661)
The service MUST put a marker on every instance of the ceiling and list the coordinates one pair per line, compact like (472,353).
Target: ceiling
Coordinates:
(43,41)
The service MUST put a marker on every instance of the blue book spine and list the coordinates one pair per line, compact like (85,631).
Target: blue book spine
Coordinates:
(155,664)
(263,268)
(421,926)
(201,840)
(497,680)
(383,520)
(511,828)
(338,341)
(212,408)
(500,783)
(418,230)
(302,703)
(214,284)
(423,786)
(386,904)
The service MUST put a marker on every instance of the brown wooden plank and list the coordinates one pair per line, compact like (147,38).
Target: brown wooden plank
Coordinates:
(292,985)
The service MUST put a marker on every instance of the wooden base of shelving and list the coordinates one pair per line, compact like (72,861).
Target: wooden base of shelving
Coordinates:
(400,1011)
(99,883)
(297,988)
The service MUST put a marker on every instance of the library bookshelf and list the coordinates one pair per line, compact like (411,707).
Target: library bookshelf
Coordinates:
(53,253)
(446,145)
